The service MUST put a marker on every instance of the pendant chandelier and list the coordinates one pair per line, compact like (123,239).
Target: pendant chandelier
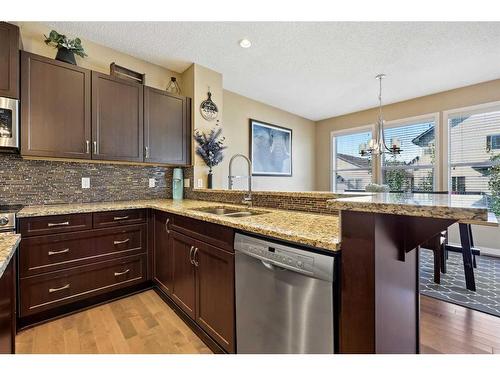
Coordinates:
(377,145)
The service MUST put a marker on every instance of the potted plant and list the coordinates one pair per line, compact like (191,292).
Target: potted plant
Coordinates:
(66,48)
(210,147)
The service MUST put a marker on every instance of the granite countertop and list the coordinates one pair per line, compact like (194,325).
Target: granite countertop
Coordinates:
(8,246)
(465,208)
(311,229)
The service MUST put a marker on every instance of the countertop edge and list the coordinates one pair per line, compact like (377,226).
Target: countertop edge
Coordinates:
(10,250)
(243,226)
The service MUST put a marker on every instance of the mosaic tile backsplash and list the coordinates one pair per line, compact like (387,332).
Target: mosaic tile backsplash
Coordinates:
(30,182)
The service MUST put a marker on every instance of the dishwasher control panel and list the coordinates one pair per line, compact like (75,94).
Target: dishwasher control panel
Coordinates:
(279,256)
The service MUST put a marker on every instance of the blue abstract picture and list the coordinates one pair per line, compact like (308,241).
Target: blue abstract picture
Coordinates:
(270,149)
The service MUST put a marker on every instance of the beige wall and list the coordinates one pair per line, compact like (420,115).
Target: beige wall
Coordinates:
(203,78)
(237,112)
(463,97)
(99,57)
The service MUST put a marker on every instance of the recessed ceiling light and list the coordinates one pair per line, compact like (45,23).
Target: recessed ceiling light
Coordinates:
(245,43)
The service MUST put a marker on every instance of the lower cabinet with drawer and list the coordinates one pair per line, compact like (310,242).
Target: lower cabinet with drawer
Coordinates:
(50,290)
(63,267)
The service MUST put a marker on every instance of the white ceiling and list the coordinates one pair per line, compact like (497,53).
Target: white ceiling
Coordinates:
(314,69)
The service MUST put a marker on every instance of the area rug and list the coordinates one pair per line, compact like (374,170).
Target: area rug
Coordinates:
(452,289)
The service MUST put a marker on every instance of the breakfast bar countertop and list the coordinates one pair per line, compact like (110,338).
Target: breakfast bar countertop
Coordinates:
(8,246)
(310,229)
(464,208)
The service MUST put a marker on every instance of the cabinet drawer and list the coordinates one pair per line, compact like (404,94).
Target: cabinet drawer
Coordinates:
(35,226)
(213,234)
(51,253)
(44,292)
(121,217)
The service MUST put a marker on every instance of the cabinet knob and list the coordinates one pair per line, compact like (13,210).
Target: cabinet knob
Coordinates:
(87,146)
(95,147)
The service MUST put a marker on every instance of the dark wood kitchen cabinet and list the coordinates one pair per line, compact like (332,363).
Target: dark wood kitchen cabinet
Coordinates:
(184,282)
(215,305)
(55,108)
(202,279)
(9,60)
(162,252)
(117,119)
(68,262)
(8,308)
(167,127)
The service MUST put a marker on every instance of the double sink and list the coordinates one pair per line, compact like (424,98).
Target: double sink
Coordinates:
(230,211)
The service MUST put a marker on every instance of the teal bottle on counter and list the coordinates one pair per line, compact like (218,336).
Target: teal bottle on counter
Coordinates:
(177,184)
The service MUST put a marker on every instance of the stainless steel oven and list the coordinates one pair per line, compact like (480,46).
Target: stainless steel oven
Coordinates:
(9,124)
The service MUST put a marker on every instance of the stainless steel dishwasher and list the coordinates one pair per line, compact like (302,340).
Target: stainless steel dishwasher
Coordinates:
(284,298)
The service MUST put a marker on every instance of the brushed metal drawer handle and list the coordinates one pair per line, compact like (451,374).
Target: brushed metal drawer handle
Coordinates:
(196,263)
(122,273)
(120,242)
(120,217)
(166,225)
(58,224)
(52,290)
(58,252)
(191,255)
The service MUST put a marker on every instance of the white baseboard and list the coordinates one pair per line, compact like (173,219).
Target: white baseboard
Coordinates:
(484,250)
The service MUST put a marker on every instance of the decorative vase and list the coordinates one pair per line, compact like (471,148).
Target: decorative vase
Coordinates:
(65,55)
(209,179)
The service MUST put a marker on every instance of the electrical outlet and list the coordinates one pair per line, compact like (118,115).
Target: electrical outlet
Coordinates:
(187,182)
(200,183)
(85,182)
(152,182)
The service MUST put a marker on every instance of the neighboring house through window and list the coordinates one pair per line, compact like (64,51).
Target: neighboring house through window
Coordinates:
(350,171)
(413,168)
(469,156)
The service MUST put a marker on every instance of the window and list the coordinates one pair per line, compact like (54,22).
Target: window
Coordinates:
(458,184)
(493,142)
(470,157)
(413,168)
(350,170)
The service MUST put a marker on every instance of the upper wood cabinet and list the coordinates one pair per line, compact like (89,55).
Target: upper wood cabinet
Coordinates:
(117,119)
(167,127)
(9,60)
(55,108)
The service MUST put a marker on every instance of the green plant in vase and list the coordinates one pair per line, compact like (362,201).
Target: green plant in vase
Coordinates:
(66,48)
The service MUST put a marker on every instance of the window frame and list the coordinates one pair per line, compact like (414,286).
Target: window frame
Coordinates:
(333,159)
(469,110)
(407,121)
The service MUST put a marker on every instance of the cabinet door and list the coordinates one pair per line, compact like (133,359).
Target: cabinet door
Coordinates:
(215,306)
(167,127)
(162,253)
(7,309)
(9,60)
(183,286)
(55,108)
(117,119)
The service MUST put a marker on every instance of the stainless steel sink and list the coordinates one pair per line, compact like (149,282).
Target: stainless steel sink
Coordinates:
(230,211)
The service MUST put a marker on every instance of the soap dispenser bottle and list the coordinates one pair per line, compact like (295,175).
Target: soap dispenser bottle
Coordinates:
(177,184)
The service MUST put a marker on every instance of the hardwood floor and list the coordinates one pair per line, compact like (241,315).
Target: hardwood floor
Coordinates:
(448,328)
(141,323)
